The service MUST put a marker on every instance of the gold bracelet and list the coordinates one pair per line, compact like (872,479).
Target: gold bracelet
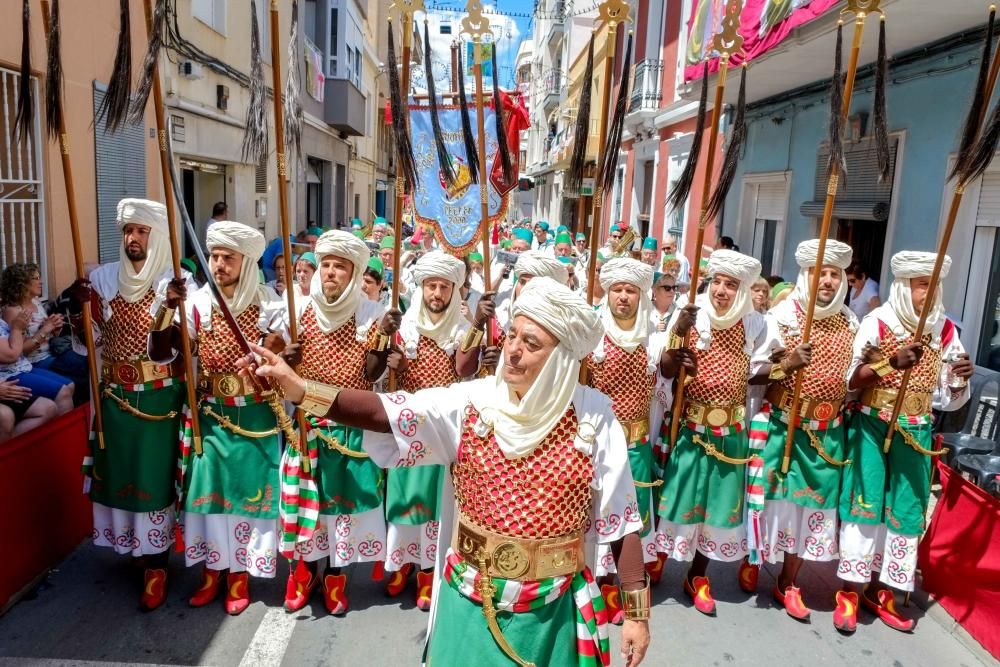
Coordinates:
(636,603)
(674,342)
(881,367)
(163,319)
(473,339)
(382,341)
(777,373)
(319,398)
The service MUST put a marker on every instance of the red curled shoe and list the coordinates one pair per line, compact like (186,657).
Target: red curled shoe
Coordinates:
(885,609)
(397,580)
(154,590)
(700,591)
(209,588)
(237,593)
(301,583)
(791,600)
(655,569)
(425,585)
(335,593)
(845,616)
(612,603)
(747,576)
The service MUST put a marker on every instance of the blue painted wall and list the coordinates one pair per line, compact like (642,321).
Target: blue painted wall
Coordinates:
(928,99)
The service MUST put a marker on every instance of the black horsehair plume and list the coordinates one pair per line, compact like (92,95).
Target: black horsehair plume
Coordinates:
(117,98)
(582,135)
(682,188)
(149,63)
(617,121)
(471,154)
(53,76)
(292,104)
(881,118)
(404,147)
(444,160)
(733,151)
(25,102)
(979,105)
(503,149)
(837,158)
(255,135)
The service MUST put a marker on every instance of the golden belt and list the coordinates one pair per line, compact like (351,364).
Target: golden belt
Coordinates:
(636,430)
(714,415)
(136,371)
(226,385)
(915,403)
(520,558)
(809,408)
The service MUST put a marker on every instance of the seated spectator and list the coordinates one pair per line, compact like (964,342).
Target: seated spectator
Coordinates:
(21,287)
(37,403)
(760,295)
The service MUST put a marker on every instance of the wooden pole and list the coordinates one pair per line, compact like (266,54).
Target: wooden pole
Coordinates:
(74,226)
(706,195)
(484,171)
(281,159)
(175,251)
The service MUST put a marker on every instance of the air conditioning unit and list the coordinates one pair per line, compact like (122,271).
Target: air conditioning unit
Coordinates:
(191,70)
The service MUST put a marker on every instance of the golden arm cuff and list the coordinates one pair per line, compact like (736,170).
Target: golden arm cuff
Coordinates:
(473,338)
(319,398)
(163,319)
(636,604)
(674,342)
(381,343)
(881,368)
(777,373)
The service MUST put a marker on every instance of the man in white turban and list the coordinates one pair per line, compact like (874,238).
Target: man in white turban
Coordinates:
(342,342)
(539,466)
(530,264)
(799,520)
(624,365)
(132,479)
(232,487)
(723,344)
(885,493)
(439,347)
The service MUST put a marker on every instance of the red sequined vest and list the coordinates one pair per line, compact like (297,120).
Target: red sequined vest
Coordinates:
(723,369)
(217,347)
(336,358)
(124,336)
(832,350)
(924,376)
(433,367)
(544,494)
(623,377)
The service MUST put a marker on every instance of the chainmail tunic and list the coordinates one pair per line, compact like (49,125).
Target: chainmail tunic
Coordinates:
(217,347)
(832,350)
(433,367)
(923,377)
(723,369)
(336,358)
(623,377)
(124,336)
(544,494)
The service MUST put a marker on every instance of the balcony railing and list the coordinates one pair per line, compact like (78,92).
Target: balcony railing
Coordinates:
(646,94)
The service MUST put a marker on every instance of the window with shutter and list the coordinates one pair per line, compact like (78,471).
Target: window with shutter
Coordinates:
(988,213)
(212,13)
(120,161)
(763,212)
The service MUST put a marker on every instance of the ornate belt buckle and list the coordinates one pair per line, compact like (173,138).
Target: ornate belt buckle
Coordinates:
(469,543)
(129,373)
(557,559)
(823,411)
(510,560)
(717,417)
(913,404)
(229,386)
(695,413)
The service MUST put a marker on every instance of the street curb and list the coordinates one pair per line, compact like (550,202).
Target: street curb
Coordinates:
(940,615)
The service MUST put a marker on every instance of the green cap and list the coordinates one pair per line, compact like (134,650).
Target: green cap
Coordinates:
(309,257)
(314,231)
(523,235)
(564,237)
(561,228)
(649,243)
(356,223)
(544,225)
(779,288)
(359,234)
(703,264)
(387,242)
(189,264)
(376,265)
(505,243)
(476,257)
(580,236)
(380,220)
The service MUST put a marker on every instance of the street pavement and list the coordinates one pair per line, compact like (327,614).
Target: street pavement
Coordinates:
(86,614)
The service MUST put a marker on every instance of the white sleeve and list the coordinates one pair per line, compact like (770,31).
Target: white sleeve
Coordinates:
(867,335)
(426,428)
(766,338)
(944,399)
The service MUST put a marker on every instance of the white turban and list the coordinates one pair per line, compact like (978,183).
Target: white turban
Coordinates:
(835,254)
(447,330)
(633,272)
(250,243)
(736,265)
(537,264)
(131,285)
(332,316)
(910,264)
(520,424)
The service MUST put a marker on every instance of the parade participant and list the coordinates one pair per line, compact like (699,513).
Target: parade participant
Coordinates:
(884,496)
(530,264)
(305,267)
(722,343)
(131,479)
(581,251)
(670,254)
(571,280)
(371,280)
(522,240)
(649,251)
(379,229)
(624,365)
(312,234)
(598,289)
(563,246)
(231,489)
(475,276)
(542,241)
(438,348)
(664,302)
(344,341)
(538,466)
(799,520)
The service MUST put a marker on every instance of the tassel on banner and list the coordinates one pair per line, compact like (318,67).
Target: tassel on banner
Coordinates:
(979,105)
(149,62)
(471,153)
(444,159)
(118,97)
(836,103)
(682,188)
(879,115)
(582,135)
(617,121)
(733,151)
(292,104)
(25,101)
(53,76)
(401,136)
(503,148)
(255,135)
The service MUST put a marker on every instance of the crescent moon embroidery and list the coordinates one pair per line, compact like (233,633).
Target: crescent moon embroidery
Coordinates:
(260,494)
(861,501)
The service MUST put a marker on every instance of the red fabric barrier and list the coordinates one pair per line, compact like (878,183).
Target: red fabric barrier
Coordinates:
(43,514)
(960,557)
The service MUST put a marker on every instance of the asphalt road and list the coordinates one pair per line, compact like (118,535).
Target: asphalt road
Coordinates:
(86,614)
